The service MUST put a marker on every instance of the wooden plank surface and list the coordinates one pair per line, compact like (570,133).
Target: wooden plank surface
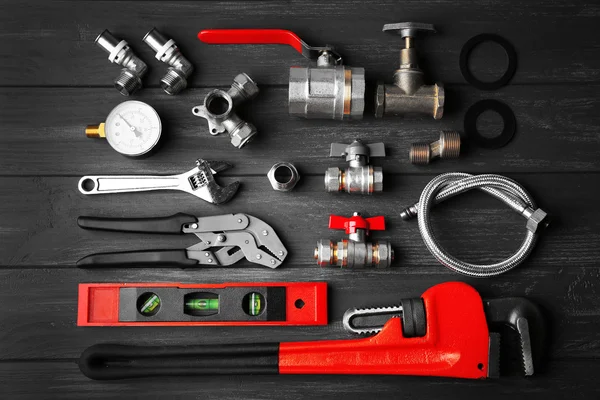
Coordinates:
(54,81)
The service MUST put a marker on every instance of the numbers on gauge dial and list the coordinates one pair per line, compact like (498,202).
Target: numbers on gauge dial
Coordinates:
(133,128)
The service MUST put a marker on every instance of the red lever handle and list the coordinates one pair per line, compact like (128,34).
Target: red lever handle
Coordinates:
(252,36)
(351,224)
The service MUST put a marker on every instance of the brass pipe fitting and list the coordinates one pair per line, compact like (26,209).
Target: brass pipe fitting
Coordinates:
(409,94)
(119,52)
(447,146)
(180,69)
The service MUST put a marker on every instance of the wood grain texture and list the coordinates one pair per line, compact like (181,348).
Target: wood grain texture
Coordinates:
(54,81)
(63,380)
(554,40)
(557,132)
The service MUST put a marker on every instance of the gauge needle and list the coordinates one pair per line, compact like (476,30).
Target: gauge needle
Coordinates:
(129,126)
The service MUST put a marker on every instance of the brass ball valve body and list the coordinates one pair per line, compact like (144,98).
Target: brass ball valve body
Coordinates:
(355,252)
(359,177)
(328,90)
(409,94)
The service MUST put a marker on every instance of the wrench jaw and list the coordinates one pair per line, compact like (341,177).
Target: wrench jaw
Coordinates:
(201,183)
(521,325)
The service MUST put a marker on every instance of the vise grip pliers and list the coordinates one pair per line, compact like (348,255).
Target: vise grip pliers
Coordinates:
(237,235)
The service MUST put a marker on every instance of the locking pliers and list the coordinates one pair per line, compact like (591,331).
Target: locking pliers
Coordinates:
(237,235)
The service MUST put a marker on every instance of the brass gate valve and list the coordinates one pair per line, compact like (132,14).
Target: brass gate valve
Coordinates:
(359,177)
(355,252)
(328,91)
(408,94)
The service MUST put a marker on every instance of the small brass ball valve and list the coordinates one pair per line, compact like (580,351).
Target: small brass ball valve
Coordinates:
(409,94)
(355,252)
(359,177)
(328,91)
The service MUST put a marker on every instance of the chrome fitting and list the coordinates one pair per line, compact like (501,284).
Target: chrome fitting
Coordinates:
(119,52)
(447,146)
(536,220)
(283,176)
(218,110)
(180,69)
(359,177)
(355,252)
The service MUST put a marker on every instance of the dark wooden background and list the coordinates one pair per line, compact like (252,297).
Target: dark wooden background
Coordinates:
(54,81)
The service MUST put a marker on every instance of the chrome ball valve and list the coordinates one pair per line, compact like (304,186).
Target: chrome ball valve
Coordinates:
(355,252)
(359,177)
(328,90)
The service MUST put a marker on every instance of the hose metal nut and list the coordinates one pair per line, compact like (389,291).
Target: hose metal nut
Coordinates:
(180,69)
(447,146)
(119,52)
(283,176)
(537,220)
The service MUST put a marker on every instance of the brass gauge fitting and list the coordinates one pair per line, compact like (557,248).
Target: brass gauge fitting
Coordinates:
(409,94)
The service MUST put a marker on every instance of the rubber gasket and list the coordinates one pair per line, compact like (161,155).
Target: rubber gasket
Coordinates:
(465,53)
(508,117)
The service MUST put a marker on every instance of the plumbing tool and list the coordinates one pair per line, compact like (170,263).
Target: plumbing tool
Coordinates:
(447,332)
(237,235)
(355,252)
(409,94)
(119,52)
(180,69)
(223,304)
(132,128)
(359,177)
(508,191)
(218,110)
(199,181)
(328,91)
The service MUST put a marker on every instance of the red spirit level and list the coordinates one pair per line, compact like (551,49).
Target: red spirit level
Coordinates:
(178,304)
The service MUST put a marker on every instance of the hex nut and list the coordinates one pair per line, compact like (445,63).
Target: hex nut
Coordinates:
(380,100)
(438,108)
(538,219)
(377,179)
(386,254)
(245,85)
(244,134)
(324,253)
(288,185)
(333,179)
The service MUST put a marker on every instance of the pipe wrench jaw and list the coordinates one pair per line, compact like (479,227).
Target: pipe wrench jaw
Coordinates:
(464,337)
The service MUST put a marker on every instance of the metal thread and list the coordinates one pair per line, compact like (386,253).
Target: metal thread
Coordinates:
(449,144)
(420,153)
(172,82)
(127,83)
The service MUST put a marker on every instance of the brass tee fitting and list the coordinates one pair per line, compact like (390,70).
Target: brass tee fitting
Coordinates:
(409,94)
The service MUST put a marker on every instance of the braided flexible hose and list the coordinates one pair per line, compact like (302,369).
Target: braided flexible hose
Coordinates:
(451,184)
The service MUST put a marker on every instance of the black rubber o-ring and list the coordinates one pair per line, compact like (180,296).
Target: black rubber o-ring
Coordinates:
(508,117)
(465,53)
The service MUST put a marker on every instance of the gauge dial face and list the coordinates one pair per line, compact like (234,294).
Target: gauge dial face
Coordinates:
(133,128)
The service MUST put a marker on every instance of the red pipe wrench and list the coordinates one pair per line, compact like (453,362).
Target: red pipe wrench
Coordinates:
(447,332)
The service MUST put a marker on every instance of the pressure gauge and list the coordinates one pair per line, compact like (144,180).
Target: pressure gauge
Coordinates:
(132,128)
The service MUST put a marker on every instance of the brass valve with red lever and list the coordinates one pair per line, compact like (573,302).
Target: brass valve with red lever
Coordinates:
(355,252)
(328,91)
